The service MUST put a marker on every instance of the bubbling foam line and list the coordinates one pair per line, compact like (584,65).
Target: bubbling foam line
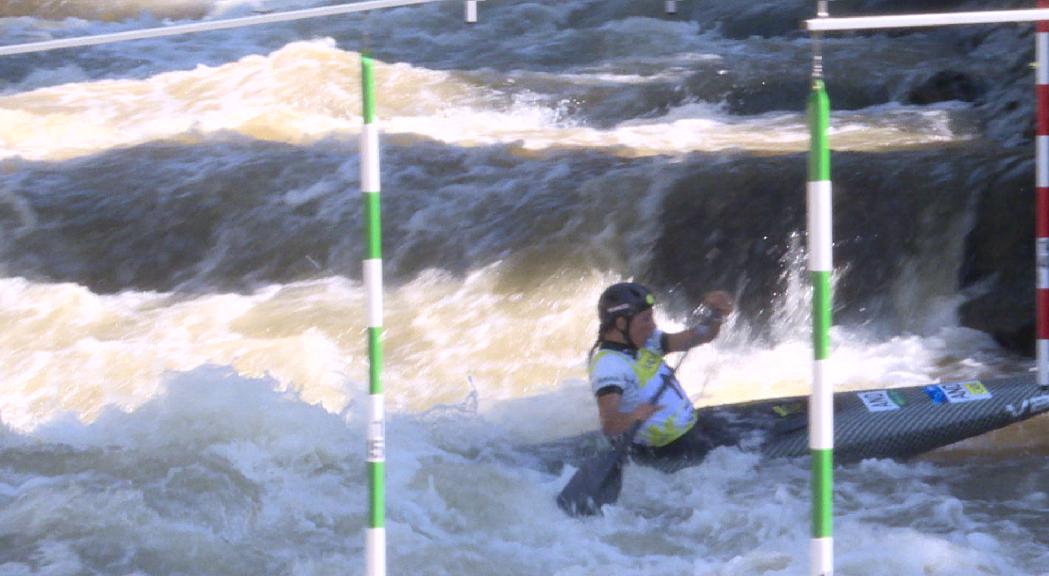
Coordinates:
(303,92)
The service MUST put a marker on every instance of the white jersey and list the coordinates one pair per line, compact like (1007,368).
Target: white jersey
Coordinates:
(639,375)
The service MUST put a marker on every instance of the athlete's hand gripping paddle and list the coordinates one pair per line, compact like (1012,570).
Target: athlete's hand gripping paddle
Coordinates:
(599,480)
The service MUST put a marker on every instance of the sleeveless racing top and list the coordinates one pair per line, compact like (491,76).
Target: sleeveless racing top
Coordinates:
(638,374)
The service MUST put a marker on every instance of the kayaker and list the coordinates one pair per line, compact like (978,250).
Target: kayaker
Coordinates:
(627,374)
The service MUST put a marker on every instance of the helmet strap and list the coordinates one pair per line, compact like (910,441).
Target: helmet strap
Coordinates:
(623,332)
(626,332)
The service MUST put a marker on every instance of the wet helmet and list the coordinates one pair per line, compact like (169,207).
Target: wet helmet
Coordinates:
(625,299)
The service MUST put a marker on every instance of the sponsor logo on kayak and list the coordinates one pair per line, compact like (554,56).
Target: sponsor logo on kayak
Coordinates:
(1029,406)
(881,400)
(784,410)
(897,398)
(957,392)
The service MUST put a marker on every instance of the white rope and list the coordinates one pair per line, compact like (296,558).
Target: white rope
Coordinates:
(205,26)
(919,20)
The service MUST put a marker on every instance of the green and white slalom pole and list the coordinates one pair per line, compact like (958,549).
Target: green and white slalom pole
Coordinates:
(375,539)
(821,403)
(1042,199)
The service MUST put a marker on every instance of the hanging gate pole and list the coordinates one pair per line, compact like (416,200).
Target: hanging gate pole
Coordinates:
(1042,201)
(375,539)
(821,402)
(821,416)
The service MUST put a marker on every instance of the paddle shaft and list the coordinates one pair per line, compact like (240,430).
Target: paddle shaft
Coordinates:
(599,481)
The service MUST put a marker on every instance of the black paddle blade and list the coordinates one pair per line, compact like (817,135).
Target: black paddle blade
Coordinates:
(596,483)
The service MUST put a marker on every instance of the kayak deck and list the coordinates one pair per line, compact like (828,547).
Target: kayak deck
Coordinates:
(875,423)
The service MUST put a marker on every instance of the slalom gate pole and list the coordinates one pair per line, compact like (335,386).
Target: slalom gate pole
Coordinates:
(1042,202)
(821,423)
(821,403)
(375,538)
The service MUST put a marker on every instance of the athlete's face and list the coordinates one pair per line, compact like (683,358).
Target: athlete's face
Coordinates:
(641,327)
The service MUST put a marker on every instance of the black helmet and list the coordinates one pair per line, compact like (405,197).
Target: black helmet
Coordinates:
(625,299)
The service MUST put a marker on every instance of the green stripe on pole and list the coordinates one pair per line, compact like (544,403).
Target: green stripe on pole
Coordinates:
(372,226)
(822,493)
(821,314)
(368,94)
(819,122)
(375,360)
(377,512)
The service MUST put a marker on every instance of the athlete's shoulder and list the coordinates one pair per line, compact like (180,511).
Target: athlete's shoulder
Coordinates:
(610,370)
(606,360)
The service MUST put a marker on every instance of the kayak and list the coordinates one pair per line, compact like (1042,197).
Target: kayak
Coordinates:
(896,423)
(889,423)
